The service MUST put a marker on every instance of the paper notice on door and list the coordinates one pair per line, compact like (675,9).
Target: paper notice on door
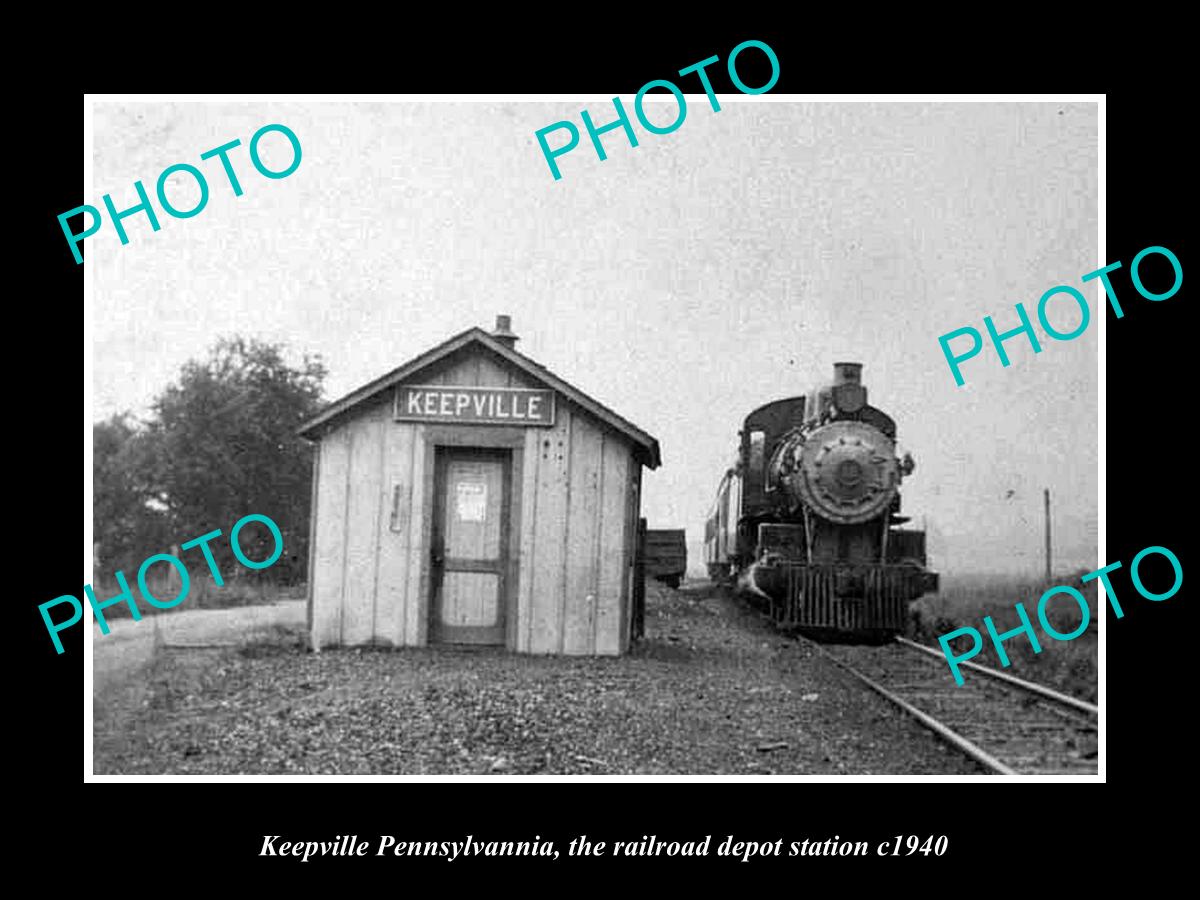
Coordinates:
(471,501)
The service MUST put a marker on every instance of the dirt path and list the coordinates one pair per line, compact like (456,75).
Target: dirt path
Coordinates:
(129,645)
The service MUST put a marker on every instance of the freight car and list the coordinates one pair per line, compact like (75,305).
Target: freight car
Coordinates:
(666,555)
(805,521)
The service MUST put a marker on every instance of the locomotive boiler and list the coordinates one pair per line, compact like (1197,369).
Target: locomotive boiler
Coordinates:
(806,520)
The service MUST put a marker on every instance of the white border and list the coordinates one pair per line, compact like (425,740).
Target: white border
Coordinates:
(88,370)
(88,288)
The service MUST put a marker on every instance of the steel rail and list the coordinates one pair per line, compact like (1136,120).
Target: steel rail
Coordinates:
(952,737)
(1032,687)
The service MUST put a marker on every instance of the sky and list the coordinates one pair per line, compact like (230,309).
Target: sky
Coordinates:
(682,282)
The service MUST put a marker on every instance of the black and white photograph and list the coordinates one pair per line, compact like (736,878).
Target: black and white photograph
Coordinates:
(522,437)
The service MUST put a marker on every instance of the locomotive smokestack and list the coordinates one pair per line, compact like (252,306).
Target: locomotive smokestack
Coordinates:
(847,373)
(849,393)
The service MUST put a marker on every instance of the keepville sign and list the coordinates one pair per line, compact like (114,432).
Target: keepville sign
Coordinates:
(474,405)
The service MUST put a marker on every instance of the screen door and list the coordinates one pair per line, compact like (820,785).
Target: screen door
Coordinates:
(470,546)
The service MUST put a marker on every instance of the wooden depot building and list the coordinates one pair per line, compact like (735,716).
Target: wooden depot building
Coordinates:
(472,496)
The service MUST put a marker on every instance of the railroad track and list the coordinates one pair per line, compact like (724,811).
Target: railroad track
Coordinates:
(1008,725)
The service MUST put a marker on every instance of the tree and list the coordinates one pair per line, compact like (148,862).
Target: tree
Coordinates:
(128,526)
(224,445)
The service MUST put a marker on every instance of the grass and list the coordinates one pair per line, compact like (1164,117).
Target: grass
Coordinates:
(1068,666)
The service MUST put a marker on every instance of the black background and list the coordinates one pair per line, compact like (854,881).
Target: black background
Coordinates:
(212,832)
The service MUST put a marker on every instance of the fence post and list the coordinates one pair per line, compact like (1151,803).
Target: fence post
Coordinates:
(174,584)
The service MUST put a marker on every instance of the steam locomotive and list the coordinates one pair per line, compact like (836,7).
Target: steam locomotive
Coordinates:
(805,520)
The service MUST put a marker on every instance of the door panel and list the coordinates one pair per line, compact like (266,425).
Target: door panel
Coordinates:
(473,521)
(470,598)
(470,546)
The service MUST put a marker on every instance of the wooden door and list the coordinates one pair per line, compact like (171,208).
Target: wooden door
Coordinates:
(470,545)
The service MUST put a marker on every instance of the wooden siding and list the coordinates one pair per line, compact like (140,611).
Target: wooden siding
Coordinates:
(575,511)
(582,535)
(365,498)
(613,546)
(330,541)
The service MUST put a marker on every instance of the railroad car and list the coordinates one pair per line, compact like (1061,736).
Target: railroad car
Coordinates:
(666,555)
(805,522)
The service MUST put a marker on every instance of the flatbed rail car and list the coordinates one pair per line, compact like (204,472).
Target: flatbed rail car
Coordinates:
(666,555)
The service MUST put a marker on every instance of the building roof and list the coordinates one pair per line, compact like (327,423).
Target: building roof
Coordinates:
(648,446)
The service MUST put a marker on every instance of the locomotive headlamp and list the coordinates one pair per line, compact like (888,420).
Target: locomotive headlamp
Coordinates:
(849,398)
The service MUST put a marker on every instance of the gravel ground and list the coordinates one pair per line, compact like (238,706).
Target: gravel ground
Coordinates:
(711,690)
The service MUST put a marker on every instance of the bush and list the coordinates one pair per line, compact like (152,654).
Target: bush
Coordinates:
(1067,666)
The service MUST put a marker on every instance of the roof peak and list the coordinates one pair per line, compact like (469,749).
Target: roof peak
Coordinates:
(497,344)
